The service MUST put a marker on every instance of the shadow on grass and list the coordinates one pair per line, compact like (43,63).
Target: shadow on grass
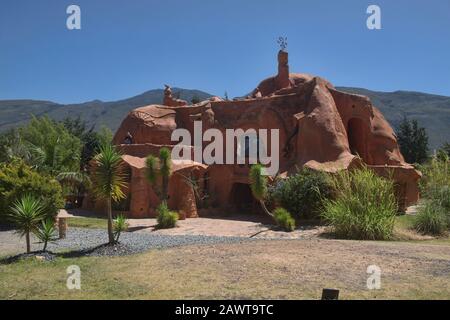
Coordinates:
(106,249)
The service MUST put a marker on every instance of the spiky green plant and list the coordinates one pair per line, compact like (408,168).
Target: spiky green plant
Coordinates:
(159,167)
(109,180)
(165,161)
(284,219)
(46,232)
(151,163)
(120,225)
(258,185)
(166,218)
(26,214)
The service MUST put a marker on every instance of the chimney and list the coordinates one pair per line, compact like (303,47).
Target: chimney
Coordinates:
(282,79)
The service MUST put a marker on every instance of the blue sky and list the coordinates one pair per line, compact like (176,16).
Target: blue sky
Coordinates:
(127,47)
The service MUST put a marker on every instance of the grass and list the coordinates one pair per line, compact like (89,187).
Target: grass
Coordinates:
(364,208)
(87,222)
(404,222)
(273,270)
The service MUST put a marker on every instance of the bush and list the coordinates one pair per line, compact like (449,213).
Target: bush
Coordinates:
(303,193)
(46,233)
(435,184)
(18,179)
(365,206)
(431,219)
(443,198)
(284,219)
(120,224)
(166,219)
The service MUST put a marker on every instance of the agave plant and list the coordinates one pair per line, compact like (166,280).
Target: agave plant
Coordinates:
(259,186)
(159,167)
(120,224)
(46,233)
(26,214)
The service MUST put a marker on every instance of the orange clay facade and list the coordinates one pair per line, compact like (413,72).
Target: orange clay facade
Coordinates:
(319,127)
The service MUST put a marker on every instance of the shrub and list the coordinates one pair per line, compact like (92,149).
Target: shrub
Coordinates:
(303,193)
(443,197)
(120,225)
(166,219)
(46,232)
(431,219)
(365,206)
(18,179)
(284,219)
(436,176)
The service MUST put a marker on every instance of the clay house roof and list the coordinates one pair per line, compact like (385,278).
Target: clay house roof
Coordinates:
(177,165)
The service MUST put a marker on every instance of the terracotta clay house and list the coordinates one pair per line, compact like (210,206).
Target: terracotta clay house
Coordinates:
(320,127)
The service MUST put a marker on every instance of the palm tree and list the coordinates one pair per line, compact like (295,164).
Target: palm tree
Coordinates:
(161,167)
(259,186)
(109,180)
(74,182)
(26,214)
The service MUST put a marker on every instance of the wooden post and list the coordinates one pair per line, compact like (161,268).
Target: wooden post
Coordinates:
(62,227)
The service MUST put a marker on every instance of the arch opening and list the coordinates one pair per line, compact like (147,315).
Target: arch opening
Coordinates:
(356,134)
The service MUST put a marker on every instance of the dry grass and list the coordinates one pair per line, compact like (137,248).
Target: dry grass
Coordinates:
(288,269)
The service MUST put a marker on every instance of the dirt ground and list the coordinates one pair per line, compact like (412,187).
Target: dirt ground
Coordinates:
(272,269)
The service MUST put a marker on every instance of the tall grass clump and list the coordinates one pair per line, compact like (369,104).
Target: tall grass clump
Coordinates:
(364,208)
(431,219)
(434,216)
(435,184)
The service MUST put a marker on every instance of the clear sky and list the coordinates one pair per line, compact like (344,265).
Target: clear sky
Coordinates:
(127,47)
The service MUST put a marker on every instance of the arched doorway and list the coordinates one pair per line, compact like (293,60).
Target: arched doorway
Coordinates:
(242,198)
(357,138)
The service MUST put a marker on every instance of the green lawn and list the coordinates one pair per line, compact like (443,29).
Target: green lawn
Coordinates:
(87,222)
(254,270)
(404,221)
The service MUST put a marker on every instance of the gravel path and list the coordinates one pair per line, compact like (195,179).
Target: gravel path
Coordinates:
(83,239)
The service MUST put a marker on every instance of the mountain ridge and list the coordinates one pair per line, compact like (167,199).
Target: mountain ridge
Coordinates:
(431,110)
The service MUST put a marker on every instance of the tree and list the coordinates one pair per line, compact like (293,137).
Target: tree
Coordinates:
(259,186)
(26,214)
(444,152)
(109,180)
(195,99)
(12,147)
(159,167)
(413,141)
(18,179)
(52,147)
(91,140)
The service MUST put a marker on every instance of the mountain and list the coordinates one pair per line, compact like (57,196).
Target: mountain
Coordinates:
(432,111)
(14,113)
